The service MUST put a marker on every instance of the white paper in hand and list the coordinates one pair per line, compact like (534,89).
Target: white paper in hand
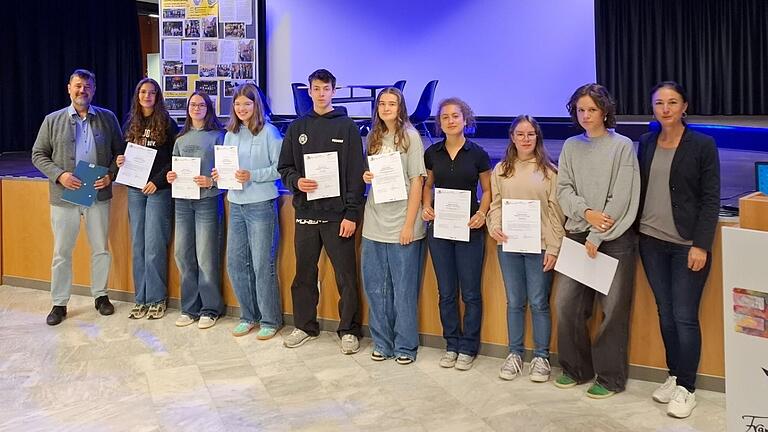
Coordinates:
(596,273)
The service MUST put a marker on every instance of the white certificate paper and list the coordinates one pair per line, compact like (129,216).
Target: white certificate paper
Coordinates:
(324,169)
(452,207)
(388,182)
(596,273)
(521,223)
(227,163)
(186,169)
(138,164)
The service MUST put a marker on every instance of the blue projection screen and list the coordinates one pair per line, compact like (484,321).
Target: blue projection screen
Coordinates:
(503,57)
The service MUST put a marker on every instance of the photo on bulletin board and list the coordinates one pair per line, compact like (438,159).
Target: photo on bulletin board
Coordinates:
(242,70)
(173,67)
(210,26)
(174,14)
(209,87)
(206,71)
(234,30)
(245,50)
(224,70)
(192,28)
(177,105)
(172,28)
(176,83)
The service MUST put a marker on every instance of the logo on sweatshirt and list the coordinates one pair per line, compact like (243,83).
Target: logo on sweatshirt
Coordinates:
(340,141)
(303,139)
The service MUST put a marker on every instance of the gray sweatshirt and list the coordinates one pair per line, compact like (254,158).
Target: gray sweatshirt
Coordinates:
(199,143)
(601,174)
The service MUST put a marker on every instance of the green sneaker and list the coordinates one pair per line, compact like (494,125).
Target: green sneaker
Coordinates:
(597,391)
(242,329)
(266,333)
(564,382)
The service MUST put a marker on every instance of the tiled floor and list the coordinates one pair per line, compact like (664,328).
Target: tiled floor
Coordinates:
(94,373)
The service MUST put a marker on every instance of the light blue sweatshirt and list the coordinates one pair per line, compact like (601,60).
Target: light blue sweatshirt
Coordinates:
(259,155)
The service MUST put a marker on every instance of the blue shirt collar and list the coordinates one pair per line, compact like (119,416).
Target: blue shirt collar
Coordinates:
(72,112)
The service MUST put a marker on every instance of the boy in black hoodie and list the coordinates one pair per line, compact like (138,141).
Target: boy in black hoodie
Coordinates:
(329,222)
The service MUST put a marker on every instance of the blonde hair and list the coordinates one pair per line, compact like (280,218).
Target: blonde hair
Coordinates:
(379,129)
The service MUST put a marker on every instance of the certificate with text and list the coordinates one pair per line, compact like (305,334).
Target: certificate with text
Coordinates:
(324,169)
(452,207)
(596,273)
(521,223)
(388,182)
(186,169)
(227,163)
(138,164)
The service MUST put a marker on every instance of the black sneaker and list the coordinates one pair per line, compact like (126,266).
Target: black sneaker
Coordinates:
(56,315)
(103,305)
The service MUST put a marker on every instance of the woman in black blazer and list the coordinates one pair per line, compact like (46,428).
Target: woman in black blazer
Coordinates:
(679,205)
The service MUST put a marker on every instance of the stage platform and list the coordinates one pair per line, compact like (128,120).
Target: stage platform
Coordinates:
(742,141)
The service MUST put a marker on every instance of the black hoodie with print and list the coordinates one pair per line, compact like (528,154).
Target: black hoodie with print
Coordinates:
(315,133)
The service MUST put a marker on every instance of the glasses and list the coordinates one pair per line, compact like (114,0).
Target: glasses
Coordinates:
(529,135)
(197,106)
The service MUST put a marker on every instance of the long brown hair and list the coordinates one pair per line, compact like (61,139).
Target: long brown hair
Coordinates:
(157,122)
(402,124)
(211,121)
(256,122)
(543,163)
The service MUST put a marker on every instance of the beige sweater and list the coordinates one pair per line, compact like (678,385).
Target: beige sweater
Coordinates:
(529,183)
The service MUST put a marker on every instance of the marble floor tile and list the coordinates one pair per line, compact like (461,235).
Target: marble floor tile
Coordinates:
(94,373)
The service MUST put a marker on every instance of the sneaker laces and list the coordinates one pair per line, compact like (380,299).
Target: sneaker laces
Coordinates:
(296,332)
(513,364)
(540,366)
(681,395)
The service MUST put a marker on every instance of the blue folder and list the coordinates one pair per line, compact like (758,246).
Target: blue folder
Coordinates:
(88,173)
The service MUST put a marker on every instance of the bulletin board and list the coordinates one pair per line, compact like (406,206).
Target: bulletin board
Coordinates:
(207,45)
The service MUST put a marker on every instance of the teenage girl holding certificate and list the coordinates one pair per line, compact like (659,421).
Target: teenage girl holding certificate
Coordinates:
(526,173)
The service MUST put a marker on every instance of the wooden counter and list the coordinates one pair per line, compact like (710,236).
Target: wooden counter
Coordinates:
(27,250)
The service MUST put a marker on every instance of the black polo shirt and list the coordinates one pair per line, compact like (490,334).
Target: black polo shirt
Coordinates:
(463,172)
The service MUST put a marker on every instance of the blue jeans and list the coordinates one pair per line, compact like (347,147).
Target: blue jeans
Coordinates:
(391,282)
(150,217)
(525,282)
(65,223)
(197,249)
(678,293)
(251,247)
(459,267)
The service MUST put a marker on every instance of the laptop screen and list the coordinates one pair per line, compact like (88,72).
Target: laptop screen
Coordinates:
(761,177)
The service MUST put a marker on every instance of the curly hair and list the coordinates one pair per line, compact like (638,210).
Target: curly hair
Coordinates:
(466,112)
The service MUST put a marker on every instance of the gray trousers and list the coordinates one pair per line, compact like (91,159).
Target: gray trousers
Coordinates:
(606,356)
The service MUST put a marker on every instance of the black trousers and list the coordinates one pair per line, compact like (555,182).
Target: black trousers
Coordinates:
(308,242)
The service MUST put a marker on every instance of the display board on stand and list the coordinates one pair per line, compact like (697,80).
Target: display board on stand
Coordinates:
(207,45)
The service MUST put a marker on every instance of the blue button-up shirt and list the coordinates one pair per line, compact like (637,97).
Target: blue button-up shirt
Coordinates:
(85,149)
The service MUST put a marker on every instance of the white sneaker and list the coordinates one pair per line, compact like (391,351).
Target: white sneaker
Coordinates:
(184,320)
(512,367)
(539,370)
(448,360)
(206,322)
(350,344)
(664,393)
(682,403)
(464,362)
